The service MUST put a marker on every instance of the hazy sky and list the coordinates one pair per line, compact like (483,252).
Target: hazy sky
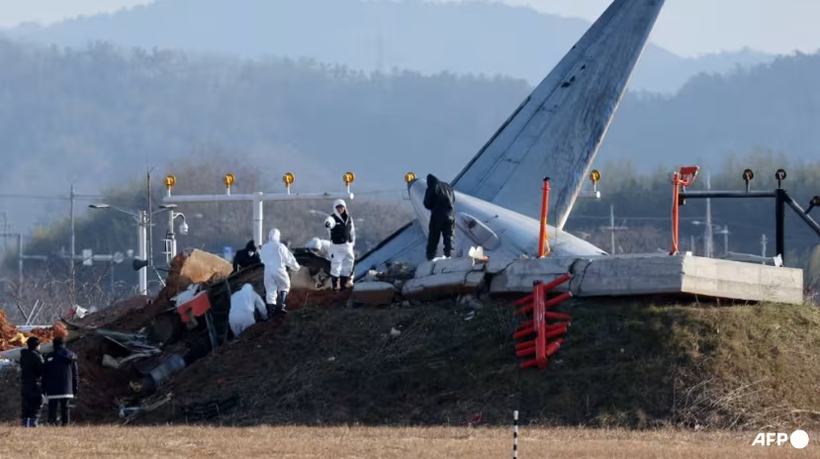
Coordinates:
(686,27)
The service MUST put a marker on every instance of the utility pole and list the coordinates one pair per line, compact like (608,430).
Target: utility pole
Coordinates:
(20,258)
(725,233)
(150,224)
(707,245)
(692,244)
(5,230)
(143,249)
(763,245)
(612,228)
(72,246)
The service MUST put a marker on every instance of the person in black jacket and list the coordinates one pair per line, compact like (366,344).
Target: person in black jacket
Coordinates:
(60,381)
(440,200)
(246,257)
(31,375)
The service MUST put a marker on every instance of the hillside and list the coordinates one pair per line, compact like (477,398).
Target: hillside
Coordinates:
(622,365)
(468,37)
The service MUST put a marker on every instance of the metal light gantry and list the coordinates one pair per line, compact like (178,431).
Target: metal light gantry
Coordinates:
(257,198)
(686,176)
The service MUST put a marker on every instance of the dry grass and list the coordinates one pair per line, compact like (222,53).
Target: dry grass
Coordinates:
(372,442)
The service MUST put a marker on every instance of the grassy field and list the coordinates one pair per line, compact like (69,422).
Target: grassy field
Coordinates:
(369,442)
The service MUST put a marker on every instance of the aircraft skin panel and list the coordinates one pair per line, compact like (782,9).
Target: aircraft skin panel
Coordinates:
(557,130)
(406,245)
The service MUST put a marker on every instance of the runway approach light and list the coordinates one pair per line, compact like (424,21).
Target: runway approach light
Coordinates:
(594,177)
(288,178)
(748,176)
(780,175)
(170,181)
(815,202)
(409,177)
(348,178)
(229,180)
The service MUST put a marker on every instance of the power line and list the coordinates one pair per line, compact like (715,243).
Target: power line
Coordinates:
(55,197)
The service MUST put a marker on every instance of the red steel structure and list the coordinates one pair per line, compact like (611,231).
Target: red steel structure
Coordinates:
(544,344)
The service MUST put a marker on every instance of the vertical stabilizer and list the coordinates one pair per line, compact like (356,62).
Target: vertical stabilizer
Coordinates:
(557,130)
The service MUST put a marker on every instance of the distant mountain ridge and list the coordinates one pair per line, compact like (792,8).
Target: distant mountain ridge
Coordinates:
(470,37)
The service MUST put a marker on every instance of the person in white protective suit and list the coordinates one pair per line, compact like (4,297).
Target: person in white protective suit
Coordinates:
(277,258)
(342,239)
(243,304)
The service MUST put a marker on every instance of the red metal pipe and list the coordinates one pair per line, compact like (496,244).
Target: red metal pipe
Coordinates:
(542,238)
(529,364)
(525,352)
(524,345)
(554,333)
(552,348)
(558,299)
(556,316)
(558,281)
(557,326)
(524,333)
(525,325)
(540,322)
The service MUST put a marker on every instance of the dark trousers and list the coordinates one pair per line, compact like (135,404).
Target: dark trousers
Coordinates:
(32,404)
(62,404)
(440,226)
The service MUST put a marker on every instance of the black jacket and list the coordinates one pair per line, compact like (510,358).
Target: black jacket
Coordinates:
(342,231)
(31,370)
(243,257)
(439,198)
(61,375)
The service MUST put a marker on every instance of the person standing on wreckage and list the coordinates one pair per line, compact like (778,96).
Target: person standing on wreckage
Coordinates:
(440,200)
(277,258)
(342,239)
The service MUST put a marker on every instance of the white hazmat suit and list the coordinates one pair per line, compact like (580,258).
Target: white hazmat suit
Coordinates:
(342,239)
(243,304)
(277,258)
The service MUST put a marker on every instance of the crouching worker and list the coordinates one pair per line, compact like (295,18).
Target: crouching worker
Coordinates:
(243,304)
(277,258)
(342,239)
(246,257)
(31,376)
(60,381)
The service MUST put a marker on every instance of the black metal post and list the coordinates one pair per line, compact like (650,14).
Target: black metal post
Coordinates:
(726,194)
(804,214)
(780,223)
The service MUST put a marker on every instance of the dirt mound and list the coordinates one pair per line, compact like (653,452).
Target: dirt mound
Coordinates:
(11,337)
(622,365)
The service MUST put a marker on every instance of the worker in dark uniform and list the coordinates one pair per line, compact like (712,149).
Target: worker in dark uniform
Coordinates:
(440,200)
(246,257)
(31,375)
(60,381)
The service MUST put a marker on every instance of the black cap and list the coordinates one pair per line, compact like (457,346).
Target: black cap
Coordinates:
(33,342)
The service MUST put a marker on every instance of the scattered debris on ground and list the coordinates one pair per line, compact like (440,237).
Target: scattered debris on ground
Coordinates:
(375,355)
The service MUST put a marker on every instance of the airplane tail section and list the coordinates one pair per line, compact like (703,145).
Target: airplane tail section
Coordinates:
(557,130)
